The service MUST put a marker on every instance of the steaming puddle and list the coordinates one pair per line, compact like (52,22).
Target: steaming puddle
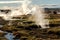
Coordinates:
(9,36)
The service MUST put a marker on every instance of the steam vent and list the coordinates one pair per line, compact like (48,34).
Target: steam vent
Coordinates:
(28,27)
(29,22)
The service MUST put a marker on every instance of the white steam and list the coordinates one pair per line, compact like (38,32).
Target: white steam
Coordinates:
(26,8)
(40,18)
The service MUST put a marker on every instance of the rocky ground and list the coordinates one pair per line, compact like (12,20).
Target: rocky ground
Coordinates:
(28,30)
(33,32)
